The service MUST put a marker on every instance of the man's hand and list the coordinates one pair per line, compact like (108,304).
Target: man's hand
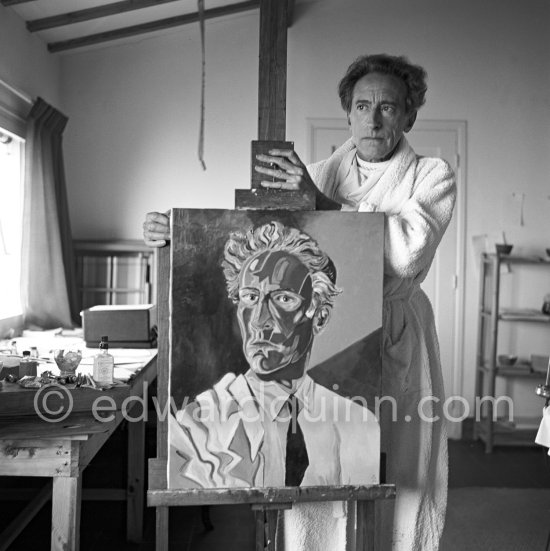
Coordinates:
(156,229)
(292,175)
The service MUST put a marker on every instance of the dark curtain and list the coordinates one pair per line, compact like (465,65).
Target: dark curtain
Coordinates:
(49,291)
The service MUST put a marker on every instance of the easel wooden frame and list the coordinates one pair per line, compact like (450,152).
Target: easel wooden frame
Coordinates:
(266,502)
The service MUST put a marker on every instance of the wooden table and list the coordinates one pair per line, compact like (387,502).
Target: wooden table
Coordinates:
(31,446)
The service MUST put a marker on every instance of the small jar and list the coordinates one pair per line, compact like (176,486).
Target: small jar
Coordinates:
(546,305)
(27,366)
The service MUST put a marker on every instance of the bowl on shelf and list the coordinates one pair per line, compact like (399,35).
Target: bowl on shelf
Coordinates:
(503,248)
(539,362)
(507,360)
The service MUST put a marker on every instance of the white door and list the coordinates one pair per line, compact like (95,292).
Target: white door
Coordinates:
(445,280)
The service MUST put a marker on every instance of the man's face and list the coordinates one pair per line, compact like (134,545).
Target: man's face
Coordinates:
(378,116)
(275,292)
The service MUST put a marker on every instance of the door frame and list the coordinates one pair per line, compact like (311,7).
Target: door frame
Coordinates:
(459,127)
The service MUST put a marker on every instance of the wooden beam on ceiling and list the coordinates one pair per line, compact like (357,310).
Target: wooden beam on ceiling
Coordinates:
(151,26)
(290,12)
(91,13)
(13,2)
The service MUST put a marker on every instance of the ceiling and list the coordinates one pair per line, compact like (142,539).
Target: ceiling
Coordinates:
(69,24)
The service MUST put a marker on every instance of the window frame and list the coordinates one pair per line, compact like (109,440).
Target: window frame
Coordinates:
(14,109)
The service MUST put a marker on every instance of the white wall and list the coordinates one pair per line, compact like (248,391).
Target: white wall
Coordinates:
(25,62)
(132,137)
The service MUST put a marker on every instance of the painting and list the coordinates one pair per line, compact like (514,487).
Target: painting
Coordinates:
(274,348)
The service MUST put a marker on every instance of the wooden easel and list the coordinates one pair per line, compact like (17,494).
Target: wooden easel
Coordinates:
(267,503)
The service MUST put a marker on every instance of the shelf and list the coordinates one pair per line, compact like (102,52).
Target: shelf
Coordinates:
(116,290)
(505,434)
(520,371)
(118,247)
(523,314)
(536,317)
(115,272)
(491,315)
(516,259)
(526,373)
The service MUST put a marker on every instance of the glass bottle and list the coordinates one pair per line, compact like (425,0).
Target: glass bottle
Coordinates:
(27,365)
(104,364)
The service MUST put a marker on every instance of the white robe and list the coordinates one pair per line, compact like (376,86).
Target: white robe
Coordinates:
(418,195)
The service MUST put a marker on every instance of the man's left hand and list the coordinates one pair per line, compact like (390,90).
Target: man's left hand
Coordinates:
(288,169)
(292,175)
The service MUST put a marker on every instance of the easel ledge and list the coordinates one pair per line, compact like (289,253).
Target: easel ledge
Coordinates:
(267,503)
(266,496)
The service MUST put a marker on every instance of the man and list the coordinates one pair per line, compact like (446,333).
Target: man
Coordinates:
(376,170)
(274,426)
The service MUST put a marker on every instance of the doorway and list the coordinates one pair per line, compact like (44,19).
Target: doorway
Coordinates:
(444,284)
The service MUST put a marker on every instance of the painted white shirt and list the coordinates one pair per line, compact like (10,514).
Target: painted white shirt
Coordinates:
(231,436)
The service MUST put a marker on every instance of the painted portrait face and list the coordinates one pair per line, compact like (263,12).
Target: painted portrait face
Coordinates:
(378,116)
(275,312)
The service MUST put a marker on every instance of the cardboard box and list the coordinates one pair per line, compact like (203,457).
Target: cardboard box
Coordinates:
(127,326)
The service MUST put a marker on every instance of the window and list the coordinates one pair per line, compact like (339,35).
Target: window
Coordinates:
(11,223)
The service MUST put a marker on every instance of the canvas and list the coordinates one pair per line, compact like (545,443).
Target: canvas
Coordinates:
(275,339)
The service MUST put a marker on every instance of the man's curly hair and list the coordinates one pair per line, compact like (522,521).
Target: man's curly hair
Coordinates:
(413,76)
(274,236)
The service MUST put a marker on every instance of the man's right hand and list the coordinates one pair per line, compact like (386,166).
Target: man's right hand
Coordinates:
(156,229)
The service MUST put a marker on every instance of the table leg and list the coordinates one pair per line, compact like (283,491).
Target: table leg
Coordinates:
(136,480)
(66,496)
(365,526)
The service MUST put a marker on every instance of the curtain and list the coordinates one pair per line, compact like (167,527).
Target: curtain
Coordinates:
(48,289)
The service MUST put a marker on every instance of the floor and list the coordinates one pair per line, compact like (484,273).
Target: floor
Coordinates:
(103,523)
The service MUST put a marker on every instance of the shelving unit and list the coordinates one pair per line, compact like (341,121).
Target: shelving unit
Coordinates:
(115,272)
(497,432)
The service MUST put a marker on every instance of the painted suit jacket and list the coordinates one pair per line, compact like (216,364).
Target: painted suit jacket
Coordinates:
(222,439)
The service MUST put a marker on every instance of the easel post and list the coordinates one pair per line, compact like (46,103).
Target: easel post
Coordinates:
(274,21)
(266,503)
(365,521)
(266,516)
(275,18)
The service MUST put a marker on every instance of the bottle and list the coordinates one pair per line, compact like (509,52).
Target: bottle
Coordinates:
(27,366)
(104,364)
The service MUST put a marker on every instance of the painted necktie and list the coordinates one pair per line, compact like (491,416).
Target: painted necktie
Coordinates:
(296,453)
